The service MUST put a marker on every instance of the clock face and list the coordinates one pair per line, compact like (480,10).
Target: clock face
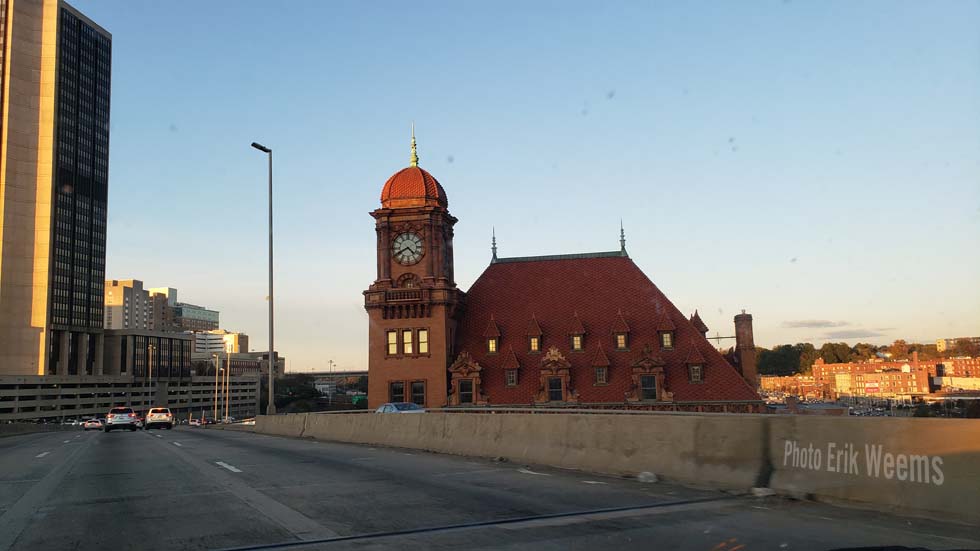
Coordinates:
(407,249)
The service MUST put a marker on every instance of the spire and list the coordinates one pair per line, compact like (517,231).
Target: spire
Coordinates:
(622,238)
(415,154)
(493,244)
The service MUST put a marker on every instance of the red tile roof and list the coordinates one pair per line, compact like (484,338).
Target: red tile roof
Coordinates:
(412,187)
(551,292)
(577,327)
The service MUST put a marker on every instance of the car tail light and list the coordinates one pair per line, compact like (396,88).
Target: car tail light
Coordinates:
(109,416)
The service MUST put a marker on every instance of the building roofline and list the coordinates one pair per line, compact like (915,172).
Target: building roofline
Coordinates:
(84,18)
(575,256)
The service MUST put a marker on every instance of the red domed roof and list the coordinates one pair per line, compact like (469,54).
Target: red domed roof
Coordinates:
(413,187)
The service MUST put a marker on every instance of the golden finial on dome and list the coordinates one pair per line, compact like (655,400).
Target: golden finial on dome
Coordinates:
(415,154)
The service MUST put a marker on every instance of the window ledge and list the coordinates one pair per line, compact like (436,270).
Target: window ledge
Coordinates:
(600,384)
(627,349)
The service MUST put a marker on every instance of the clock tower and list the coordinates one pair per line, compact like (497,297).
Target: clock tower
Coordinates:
(413,304)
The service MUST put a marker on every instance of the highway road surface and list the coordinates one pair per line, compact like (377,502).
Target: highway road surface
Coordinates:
(193,488)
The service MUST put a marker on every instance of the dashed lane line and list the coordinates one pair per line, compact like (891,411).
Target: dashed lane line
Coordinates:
(231,468)
(42,454)
(178,444)
(529,471)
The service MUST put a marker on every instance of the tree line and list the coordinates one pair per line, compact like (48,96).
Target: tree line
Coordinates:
(792,359)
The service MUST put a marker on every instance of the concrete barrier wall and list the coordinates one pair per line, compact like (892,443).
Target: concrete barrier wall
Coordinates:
(925,466)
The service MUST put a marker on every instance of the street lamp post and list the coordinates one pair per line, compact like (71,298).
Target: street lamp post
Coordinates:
(228,382)
(149,363)
(216,370)
(271,409)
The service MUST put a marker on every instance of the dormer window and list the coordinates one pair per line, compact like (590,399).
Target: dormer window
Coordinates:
(492,335)
(577,334)
(667,340)
(621,332)
(622,342)
(695,373)
(534,344)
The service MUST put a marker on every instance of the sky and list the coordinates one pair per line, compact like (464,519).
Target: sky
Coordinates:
(814,163)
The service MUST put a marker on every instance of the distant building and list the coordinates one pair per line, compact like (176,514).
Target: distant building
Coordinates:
(251,363)
(191,317)
(127,304)
(219,340)
(161,312)
(942,345)
(797,385)
(168,293)
(877,379)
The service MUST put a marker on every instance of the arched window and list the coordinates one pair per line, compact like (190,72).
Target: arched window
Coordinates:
(408,281)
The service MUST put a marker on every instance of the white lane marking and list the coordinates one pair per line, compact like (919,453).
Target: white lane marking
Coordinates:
(66,441)
(408,454)
(229,467)
(158,436)
(363,459)
(178,444)
(529,471)
(42,454)
(592,482)
(477,471)
(79,436)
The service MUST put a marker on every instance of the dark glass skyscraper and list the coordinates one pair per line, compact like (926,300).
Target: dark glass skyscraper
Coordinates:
(81,180)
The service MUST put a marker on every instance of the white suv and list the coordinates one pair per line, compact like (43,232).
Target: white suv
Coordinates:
(121,418)
(159,417)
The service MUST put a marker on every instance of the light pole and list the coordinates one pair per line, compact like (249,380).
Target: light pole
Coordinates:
(216,370)
(149,363)
(228,382)
(271,409)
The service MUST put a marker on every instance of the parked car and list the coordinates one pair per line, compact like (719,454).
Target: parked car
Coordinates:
(92,424)
(194,423)
(159,417)
(121,418)
(400,407)
(249,421)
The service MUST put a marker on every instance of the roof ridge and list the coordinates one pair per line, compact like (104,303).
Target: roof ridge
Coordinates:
(573,256)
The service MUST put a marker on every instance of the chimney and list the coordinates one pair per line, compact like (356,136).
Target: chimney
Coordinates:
(915,359)
(745,349)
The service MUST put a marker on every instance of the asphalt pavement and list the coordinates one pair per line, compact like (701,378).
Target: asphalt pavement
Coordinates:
(193,488)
